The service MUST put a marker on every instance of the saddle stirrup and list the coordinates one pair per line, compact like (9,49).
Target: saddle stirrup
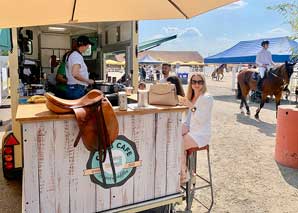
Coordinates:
(112,164)
(102,172)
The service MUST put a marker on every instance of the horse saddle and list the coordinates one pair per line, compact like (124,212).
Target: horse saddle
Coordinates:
(97,121)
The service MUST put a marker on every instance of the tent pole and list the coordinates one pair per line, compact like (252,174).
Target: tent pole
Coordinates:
(134,54)
(234,78)
(14,96)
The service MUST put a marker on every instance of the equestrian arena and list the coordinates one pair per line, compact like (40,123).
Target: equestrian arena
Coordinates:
(246,177)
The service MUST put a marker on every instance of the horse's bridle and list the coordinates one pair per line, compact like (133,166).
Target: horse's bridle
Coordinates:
(277,76)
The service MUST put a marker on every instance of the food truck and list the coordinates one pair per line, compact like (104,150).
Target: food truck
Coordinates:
(56,176)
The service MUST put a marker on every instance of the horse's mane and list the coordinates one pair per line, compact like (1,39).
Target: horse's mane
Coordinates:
(278,69)
(221,66)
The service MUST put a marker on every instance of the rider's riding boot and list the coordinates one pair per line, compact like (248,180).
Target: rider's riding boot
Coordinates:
(259,84)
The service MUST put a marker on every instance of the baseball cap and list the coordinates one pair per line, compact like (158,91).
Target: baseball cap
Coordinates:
(84,40)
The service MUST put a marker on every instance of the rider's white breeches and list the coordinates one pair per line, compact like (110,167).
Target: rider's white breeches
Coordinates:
(262,71)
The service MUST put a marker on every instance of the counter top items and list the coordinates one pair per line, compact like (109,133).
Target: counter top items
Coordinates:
(122,97)
(37,99)
(142,98)
(108,88)
(136,107)
(39,112)
(128,90)
(97,122)
(163,94)
(30,89)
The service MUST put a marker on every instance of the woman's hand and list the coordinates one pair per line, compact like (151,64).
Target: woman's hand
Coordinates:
(185,102)
(90,81)
(185,129)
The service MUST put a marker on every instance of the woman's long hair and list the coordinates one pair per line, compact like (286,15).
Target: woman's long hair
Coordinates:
(190,92)
(175,80)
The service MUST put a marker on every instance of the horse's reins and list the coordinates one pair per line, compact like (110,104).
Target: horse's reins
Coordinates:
(275,75)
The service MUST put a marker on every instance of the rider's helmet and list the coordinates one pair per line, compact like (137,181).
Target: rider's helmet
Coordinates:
(264,42)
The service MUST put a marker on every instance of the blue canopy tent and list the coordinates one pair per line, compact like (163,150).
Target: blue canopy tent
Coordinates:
(147,59)
(245,51)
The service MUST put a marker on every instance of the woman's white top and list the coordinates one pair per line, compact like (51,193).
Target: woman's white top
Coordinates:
(76,58)
(199,122)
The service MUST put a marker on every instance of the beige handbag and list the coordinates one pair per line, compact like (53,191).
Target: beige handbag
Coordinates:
(163,94)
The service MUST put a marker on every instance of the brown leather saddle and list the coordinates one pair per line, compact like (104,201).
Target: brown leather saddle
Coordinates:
(96,119)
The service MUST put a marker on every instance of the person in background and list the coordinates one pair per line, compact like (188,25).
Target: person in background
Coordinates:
(77,71)
(157,72)
(61,78)
(126,79)
(142,86)
(143,72)
(196,129)
(175,80)
(264,62)
(166,69)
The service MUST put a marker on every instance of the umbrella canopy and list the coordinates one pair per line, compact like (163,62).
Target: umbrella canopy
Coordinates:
(177,62)
(147,59)
(245,51)
(20,13)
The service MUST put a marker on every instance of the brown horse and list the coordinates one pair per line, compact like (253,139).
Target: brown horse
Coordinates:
(273,84)
(219,71)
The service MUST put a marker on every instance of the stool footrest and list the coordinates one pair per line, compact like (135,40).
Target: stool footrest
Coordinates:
(202,187)
(204,179)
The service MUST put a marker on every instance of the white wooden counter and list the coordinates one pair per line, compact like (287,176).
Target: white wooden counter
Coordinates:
(53,178)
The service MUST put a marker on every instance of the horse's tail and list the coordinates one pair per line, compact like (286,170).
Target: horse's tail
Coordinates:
(239,92)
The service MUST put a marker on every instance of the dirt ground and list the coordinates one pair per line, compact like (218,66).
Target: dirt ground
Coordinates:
(246,177)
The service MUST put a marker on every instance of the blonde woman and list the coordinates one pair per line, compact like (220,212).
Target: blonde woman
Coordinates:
(196,129)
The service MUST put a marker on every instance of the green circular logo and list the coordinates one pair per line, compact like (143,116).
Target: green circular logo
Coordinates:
(124,158)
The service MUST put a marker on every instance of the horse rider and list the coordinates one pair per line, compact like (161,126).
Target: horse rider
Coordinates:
(264,62)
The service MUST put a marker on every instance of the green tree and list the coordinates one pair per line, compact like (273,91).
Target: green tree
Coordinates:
(4,52)
(289,10)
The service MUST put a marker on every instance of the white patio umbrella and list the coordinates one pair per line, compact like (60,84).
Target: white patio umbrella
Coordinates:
(19,13)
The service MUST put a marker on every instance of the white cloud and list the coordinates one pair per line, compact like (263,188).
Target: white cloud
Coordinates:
(182,32)
(235,6)
(171,30)
(278,31)
(275,32)
(191,32)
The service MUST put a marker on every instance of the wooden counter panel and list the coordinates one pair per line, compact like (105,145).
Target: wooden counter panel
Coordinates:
(53,168)
(39,112)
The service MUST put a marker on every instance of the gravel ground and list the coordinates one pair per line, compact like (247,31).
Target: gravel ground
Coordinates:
(245,175)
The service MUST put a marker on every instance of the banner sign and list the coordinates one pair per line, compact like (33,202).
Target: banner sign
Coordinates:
(125,159)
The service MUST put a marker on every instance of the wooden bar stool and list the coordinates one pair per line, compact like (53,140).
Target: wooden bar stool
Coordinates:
(190,187)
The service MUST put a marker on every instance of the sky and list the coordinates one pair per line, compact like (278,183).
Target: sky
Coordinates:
(219,29)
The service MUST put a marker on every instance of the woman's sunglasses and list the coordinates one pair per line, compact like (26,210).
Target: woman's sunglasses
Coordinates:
(200,82)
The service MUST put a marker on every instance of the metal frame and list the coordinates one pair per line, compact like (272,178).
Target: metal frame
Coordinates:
(150,204)
(191,188)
